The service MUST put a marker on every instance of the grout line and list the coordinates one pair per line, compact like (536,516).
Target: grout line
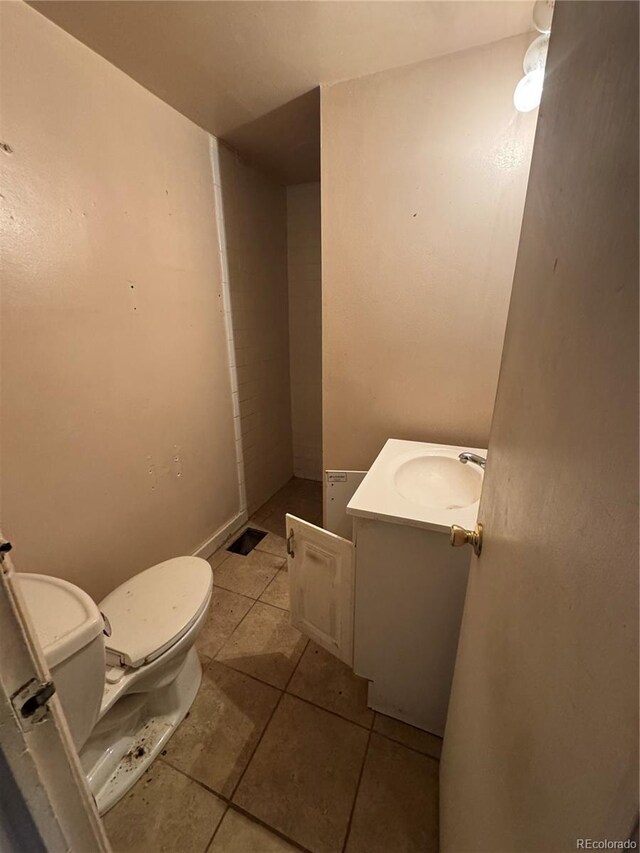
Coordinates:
(241,594)
(231,806)
(328,710)
(234,591)
(250,597)
(406,746)
(204,785)
(264,550)
(275,708)
(355,799)
(224,814)
(295,669)
(277,606)
(254,819)
(217,565)
(254,677)
(255,601)
(259,741)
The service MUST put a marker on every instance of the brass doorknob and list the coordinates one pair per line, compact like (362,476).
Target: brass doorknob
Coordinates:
(460,536)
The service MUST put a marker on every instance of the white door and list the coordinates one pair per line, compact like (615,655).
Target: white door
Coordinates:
(321,585)
(541,742)
(46,802)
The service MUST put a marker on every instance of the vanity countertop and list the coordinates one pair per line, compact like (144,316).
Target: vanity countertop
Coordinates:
(422,485)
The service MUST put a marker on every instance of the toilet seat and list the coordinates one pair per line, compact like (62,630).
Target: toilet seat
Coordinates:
(150,612)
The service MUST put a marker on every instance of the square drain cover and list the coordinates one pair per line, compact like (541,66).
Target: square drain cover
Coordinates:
(247,541)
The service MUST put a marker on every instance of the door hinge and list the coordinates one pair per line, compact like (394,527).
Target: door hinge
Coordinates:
(30,702)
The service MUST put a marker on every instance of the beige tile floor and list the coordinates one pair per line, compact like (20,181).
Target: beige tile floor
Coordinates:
(279,751)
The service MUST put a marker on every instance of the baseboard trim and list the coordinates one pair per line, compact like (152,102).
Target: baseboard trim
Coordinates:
(221,535)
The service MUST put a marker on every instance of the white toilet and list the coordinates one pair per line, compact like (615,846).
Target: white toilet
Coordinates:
(125,681)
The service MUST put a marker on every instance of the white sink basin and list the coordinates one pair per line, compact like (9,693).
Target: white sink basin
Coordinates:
(439,482)
(420,484)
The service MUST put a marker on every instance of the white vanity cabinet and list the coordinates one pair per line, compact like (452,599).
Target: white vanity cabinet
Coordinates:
(390,603)
(409,588)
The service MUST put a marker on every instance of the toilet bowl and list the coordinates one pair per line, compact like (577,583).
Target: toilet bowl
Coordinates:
(126,670)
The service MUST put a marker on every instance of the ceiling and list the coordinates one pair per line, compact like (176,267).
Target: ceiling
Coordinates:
(246,70)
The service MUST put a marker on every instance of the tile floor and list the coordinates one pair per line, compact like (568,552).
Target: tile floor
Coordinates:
(279,751)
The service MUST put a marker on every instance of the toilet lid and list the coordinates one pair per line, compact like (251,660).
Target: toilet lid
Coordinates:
(150,612)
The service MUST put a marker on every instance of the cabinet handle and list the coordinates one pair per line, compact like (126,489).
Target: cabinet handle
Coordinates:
(290,544)
(460,536)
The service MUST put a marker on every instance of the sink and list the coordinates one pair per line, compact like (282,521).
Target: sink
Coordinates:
(438,482)
(420,484)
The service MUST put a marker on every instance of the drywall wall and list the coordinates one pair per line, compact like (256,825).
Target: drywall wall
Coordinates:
(305,327)
(117,423)
(254,210)
(424,171)
(541,745)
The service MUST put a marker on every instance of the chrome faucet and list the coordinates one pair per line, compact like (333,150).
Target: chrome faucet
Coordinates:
(467,456)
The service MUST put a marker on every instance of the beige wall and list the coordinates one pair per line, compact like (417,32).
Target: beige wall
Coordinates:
(254,209)
(424,171)
(541,746)
(305,327)
(117,425)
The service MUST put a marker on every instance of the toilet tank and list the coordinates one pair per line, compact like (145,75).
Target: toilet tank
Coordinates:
(69,627)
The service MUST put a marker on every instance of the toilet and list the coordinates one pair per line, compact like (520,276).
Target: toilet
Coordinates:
(126,671)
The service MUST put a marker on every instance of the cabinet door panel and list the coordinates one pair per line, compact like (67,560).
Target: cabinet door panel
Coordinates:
(321,584)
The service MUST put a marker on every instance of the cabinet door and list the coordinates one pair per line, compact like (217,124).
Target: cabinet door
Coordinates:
(321,585)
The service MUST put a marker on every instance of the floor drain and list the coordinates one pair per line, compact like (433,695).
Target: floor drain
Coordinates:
(247,541)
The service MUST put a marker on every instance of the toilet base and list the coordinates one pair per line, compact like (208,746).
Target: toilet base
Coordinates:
(116,758)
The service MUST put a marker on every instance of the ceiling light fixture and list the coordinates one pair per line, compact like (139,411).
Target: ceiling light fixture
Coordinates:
(542,15)
(529,90)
